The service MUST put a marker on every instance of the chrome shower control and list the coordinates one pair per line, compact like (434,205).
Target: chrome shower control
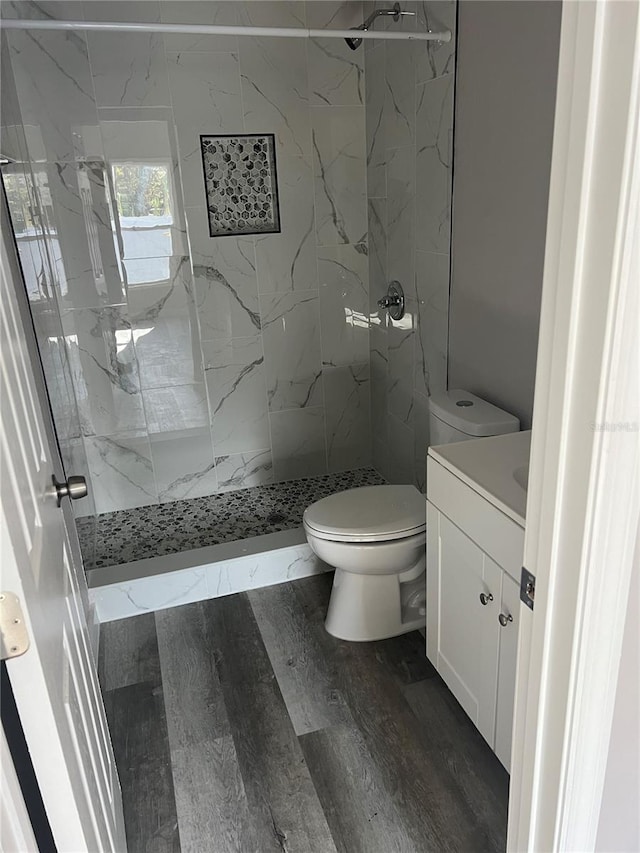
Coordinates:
(393,302)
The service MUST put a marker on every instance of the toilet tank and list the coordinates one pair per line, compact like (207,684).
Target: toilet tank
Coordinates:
(458,416)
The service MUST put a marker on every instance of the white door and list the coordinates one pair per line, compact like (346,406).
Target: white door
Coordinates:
(463,632)
(55,682)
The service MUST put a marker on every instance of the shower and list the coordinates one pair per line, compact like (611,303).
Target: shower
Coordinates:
(395,12)
(207,346)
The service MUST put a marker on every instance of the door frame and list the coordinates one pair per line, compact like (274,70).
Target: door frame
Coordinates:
(16,832)
(583,506)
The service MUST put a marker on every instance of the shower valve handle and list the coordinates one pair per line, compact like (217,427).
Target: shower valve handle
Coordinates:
(388,301)
(393,302)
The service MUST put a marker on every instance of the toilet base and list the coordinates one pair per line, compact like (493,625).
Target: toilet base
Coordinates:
(368,607)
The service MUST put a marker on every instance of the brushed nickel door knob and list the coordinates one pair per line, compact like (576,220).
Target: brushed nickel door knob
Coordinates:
(485,598)
(74,487)
(504,620)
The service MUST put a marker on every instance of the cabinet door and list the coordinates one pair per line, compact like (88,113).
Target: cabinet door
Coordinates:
(507,670)
(462,633)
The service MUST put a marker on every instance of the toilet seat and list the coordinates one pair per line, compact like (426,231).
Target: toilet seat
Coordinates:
(368,514)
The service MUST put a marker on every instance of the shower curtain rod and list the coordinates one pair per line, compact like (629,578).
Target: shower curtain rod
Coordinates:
(205,29)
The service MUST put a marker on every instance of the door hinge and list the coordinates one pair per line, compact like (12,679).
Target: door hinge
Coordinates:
(527,588)
(15,639)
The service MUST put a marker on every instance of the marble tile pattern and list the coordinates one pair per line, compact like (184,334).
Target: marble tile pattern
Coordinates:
(200,364)
(241,184)
(157,592)
(236,386)
(150,531)
(409,129)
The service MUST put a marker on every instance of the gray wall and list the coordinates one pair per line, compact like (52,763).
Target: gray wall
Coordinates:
(505,102)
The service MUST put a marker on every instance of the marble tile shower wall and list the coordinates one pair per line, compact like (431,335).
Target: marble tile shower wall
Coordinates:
(202,364)
(409,114)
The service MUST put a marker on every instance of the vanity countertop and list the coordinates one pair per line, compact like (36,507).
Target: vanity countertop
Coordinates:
(496,467)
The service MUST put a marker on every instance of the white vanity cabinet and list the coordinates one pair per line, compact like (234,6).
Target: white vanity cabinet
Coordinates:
(474,555)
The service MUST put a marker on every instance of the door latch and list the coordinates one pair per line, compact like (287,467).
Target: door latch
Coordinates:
(527,588)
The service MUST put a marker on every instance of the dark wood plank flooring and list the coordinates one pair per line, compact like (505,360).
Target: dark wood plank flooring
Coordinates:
(240,726)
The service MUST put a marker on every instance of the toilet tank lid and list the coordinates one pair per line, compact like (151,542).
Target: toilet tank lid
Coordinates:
(370,512)
(470,414)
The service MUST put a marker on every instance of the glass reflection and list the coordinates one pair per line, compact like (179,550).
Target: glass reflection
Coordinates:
(144,202)
(35,241)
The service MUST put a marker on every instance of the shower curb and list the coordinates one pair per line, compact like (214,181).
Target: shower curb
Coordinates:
(156,583)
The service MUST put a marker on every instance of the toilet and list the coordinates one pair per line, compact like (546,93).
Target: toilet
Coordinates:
(375,536)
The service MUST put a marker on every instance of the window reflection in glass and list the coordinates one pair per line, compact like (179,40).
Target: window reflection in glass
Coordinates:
(144,202)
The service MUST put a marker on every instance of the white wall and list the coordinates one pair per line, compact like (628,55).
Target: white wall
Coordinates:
(619,828)
(505,102)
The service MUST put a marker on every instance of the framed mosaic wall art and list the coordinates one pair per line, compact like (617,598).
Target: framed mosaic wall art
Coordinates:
(241,184)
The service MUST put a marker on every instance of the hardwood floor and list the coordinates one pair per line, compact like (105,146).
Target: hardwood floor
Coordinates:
(240,726)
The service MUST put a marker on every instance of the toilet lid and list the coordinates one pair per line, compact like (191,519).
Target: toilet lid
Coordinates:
(368,514)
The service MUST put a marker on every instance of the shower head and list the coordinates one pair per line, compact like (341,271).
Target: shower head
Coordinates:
(354,43)
(395,12)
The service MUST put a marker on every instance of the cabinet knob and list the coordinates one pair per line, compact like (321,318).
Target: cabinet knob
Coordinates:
(504,619)
(485,598)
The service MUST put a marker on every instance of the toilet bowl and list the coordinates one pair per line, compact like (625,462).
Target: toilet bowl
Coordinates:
(375,538)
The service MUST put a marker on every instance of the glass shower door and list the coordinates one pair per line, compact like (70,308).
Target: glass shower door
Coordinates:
(38,250)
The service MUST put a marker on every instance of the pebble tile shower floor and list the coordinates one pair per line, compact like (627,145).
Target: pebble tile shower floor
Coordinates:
(115,538)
